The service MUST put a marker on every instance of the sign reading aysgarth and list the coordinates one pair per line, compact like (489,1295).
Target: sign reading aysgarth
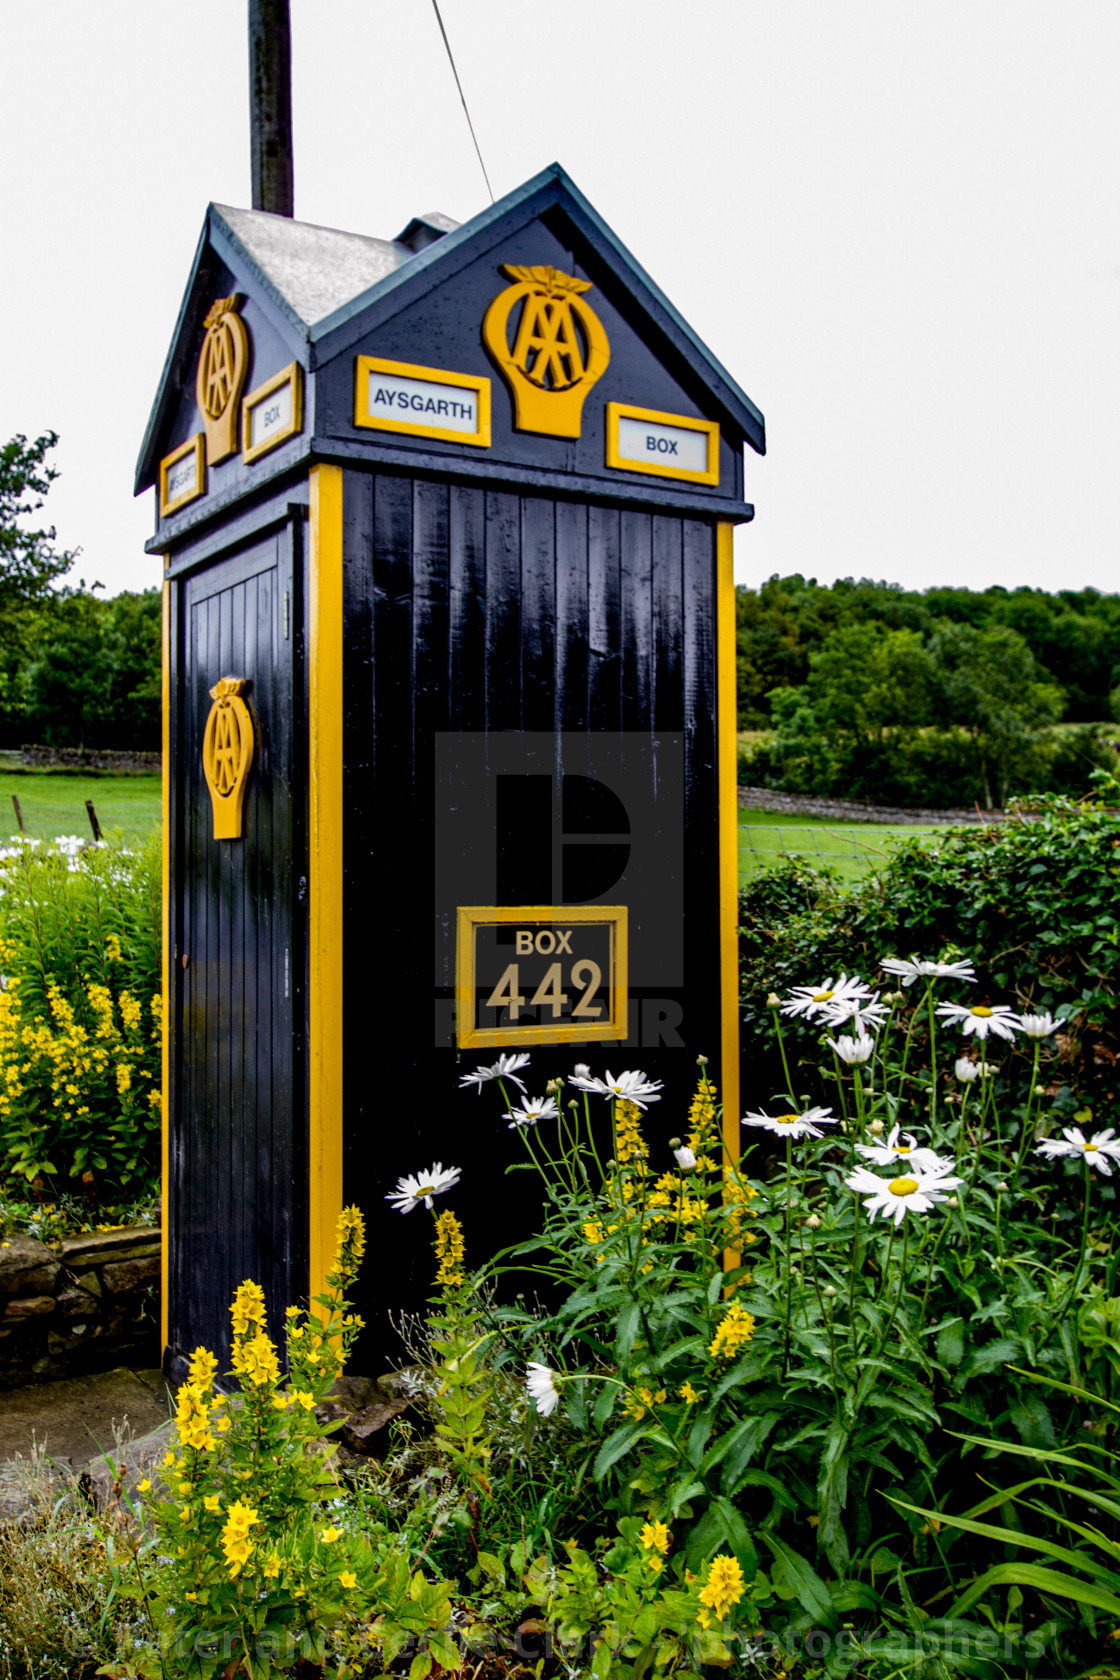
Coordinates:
(427,402)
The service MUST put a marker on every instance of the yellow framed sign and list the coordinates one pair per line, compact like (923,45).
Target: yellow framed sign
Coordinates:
(645,440)
(421,401)
(182,475)
(272,413)
(541,974)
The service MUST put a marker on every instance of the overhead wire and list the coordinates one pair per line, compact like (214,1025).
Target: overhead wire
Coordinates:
(463,97)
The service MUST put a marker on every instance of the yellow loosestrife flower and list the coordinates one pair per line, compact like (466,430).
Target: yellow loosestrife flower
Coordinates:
(348,1579)
(236,1543)
(256,1360)
(688,1394)
(655,1537)
(247,1308)
(734,1330)
(631,1145)
(449,1250)
(722,1589)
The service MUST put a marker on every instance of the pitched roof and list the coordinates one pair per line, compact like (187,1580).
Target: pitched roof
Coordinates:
(320,280)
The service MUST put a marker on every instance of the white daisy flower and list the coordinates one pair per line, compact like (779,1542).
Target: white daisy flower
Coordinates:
(966,1070)
(541,1383)
(1039,1026)
(684,1158)
(792,1125)
(981,1019)
(815,1000)
(861,1012)
(504,1068)
(920,969)
(630,1087)
(853,1050)
(894,1198)
(1099,1151)
(908,1153)
(421,1187)
(532,1110)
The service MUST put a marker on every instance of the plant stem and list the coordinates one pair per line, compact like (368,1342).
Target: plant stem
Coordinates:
(789,1271)
(785,1064)
(1076,1284)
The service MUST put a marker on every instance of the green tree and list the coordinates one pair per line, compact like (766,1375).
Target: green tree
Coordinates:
(992,686)
(29,561)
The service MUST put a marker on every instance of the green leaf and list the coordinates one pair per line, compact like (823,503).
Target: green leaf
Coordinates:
(743,1442)
(616,1446)
(1043,1581)
(807,1586)
(950,1343)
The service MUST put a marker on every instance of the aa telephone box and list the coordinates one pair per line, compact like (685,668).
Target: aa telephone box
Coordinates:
(449,723)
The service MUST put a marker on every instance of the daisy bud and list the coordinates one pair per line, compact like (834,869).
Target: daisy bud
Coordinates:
(674,1143)
(952,1201)
(1002,1186)
(773,1001)
(829,1289)
(966,1070)
(582,1071)
(701,1061)
(813,1222)
(685,1159)
(876,1128)
(554,1087)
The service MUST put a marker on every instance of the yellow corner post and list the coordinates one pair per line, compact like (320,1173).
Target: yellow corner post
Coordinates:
(728,790)
(324,649)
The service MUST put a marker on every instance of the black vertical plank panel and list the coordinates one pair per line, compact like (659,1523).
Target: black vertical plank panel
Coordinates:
(466,607)
(668,623)
(636,608)
(430,622)
(264,951)
(701,1027)
(538,612)
(571,617)
(604,700)
(361,677)
(503,615)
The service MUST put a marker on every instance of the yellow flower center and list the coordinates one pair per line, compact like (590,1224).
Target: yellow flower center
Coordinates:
(426,1190)
(902,1186)
(902,1149)
(1089,1148)
(785,1119)
(982,1010)
(822,997)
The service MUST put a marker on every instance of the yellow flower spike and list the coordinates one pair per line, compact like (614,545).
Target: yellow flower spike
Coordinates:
(449,1250)
(186,1487)
(272,1567)
(735,1328)
(723,1588)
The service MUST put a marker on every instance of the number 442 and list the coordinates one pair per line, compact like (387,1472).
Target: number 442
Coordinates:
(586,975)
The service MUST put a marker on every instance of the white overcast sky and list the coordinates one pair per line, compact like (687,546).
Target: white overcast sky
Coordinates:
(895,222)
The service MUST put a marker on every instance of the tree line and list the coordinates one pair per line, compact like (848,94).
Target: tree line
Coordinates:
(944,696)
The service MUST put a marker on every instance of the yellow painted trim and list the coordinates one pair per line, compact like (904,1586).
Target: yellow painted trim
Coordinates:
(324,664)
(197,446)
(474,916)
(625,463)
(365,365)
(165,986)
(291,375)
(727,783)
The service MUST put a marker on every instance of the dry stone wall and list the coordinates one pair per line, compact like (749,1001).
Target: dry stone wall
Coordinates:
(79,1305)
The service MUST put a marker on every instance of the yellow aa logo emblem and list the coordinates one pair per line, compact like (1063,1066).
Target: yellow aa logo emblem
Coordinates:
(227,752)
(223,363)
(559,347)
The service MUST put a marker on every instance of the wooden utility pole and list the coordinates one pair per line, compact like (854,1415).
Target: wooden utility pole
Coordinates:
(270,105)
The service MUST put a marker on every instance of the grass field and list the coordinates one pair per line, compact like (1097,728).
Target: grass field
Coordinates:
(850,848)
(52,803)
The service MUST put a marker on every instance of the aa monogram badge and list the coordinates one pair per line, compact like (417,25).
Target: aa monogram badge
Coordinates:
(559,348)
(222,366)
(227,752)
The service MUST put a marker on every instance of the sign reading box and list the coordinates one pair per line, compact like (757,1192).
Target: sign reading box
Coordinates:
(668,445)
(422,401)
(541,974)
(272,413)
(182,475)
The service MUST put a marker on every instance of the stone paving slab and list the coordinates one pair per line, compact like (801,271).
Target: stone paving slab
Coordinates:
(74,1417)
